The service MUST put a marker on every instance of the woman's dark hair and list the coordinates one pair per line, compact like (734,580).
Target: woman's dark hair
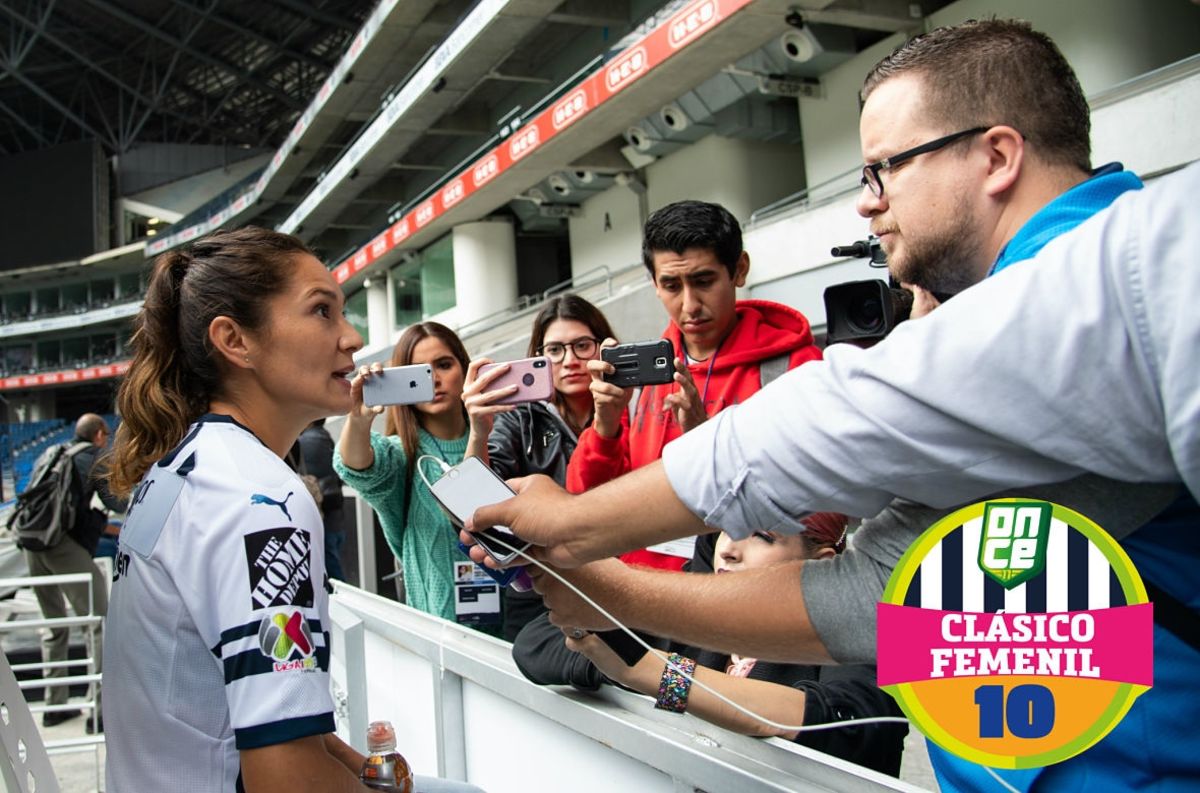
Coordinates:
(175,372)
(402,419)
(569,307)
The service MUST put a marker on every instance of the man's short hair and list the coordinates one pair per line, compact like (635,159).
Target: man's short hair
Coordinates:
(684,225)
(997,71)
(88,425)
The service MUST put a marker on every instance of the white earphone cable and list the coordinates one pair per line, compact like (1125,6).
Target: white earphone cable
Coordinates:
(603,612)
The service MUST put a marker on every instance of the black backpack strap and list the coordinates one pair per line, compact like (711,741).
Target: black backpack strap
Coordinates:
(1174,615)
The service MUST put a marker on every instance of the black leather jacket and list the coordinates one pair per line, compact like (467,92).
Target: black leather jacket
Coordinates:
(531,440)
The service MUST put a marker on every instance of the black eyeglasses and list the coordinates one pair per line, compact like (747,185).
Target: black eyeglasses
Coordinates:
(583,347)
(870,177)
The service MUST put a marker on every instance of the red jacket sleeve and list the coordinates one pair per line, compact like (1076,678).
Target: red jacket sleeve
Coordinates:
(596,459)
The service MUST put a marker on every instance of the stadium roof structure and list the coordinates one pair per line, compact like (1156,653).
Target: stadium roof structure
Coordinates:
(125,72)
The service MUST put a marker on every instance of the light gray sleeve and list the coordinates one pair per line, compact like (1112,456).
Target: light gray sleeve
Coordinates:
(1044,371)
(1164,274)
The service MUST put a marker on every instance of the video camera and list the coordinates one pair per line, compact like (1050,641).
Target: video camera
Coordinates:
(864,312)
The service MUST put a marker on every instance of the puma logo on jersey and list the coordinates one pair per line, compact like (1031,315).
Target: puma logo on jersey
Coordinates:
(259,498)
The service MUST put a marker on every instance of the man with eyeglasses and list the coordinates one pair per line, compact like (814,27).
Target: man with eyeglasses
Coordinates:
(977,143)
(725,350)
(975,162)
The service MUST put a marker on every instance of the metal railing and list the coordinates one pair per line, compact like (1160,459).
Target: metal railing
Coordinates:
(810,197)
(90,622)
(527,304)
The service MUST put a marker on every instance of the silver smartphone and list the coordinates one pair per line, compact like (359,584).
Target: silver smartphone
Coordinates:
(399,385)
(465,488)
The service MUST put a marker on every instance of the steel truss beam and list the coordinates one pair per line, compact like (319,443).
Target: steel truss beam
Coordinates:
(192,52)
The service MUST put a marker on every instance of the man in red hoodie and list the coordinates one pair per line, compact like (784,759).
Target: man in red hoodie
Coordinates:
(725,348)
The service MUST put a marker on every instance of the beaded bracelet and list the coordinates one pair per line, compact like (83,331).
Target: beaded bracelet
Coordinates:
(674,687)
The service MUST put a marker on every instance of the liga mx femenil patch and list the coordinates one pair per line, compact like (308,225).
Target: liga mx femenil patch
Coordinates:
(1015,633)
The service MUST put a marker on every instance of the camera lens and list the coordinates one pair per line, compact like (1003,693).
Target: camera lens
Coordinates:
(539,364)
(527,379)
(866,316)
(864,312)
(660,362)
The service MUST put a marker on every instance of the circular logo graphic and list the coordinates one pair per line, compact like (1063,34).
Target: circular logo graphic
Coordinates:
(1015,633)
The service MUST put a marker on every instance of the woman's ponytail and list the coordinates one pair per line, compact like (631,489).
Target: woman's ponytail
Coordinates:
(154,400)
(174,374)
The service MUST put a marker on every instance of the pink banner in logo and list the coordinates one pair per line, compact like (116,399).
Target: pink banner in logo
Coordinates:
(917,644)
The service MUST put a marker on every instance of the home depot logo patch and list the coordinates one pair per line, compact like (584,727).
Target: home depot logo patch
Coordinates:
(279,565)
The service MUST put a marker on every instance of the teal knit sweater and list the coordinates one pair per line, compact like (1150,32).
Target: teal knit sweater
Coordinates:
(419,533)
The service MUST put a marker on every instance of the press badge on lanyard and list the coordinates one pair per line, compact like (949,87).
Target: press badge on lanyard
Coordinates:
(476,595)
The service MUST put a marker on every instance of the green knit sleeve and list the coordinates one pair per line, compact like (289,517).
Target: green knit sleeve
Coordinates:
(382,486)
(383,479)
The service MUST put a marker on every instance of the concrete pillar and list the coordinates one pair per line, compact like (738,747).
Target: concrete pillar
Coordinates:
(485,268)
(379,310)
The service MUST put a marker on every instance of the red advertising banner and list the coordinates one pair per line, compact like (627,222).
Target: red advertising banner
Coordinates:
(64,377)
(655,48)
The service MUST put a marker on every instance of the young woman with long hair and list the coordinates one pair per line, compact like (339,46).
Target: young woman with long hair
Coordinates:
(240,343)
(383,467)
(538,437)
(218,675)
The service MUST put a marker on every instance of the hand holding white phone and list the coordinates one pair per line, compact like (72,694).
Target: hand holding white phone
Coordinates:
(399,385)
(465,488)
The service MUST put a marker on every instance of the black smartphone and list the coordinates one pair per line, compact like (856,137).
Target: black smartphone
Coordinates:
(640,363)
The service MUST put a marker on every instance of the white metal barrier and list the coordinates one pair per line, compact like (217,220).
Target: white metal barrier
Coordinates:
(25,767)
(90,622)
(463,711)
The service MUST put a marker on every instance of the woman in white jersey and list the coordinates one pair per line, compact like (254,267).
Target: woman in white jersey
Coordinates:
(219,620)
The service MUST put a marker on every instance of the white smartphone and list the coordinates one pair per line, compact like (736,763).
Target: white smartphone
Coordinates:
(465,488)
(399,385)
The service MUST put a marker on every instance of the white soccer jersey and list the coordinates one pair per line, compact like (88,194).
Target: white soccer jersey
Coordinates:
(216,636)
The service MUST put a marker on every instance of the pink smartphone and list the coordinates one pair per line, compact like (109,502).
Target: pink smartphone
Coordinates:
(532,377)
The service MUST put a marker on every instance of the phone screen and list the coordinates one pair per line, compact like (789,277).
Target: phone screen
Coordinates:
(465,488)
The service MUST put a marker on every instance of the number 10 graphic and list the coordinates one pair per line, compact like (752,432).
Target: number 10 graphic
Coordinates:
(1028,711)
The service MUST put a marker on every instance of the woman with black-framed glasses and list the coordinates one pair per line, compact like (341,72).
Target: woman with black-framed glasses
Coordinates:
(538,437)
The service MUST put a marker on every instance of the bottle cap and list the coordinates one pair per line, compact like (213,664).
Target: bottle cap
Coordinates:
(381,737)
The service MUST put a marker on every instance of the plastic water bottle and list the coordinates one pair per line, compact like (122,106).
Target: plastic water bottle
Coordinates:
(385,768)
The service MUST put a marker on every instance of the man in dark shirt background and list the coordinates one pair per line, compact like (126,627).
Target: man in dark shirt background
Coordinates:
(73,554)
(316,447)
